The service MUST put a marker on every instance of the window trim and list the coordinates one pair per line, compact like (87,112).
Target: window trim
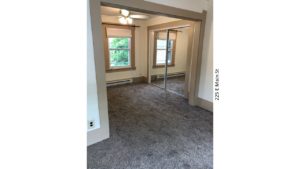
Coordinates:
(172,64)
(107,53)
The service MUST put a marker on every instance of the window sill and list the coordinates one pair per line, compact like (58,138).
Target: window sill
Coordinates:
(162,66)
(120,69)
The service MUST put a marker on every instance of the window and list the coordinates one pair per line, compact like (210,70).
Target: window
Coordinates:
(161,47)
(119,48)
(119,52)
(161,52)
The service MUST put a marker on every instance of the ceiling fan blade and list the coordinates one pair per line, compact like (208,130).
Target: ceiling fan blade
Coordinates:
(139,16)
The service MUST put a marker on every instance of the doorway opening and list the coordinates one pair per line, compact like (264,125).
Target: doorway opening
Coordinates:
(155,49)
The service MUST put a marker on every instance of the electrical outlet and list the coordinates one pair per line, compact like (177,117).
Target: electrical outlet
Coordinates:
(91,124)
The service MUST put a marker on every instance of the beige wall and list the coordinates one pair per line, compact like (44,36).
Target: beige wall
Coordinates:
(159,20)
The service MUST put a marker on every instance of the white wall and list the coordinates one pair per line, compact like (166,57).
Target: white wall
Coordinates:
(206,75)
(95,84)
(92,98)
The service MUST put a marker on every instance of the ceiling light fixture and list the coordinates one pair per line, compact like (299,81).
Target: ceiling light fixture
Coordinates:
(124,12)
(123,20)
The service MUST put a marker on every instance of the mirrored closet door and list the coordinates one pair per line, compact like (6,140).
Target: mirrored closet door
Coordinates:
(168,59)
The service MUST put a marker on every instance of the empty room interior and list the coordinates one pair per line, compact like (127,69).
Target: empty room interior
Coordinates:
(144,109)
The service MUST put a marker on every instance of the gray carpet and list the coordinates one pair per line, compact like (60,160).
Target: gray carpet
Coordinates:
(175,84)
(151,129)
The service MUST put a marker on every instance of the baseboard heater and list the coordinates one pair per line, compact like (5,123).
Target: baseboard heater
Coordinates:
(171,75)
(118,82)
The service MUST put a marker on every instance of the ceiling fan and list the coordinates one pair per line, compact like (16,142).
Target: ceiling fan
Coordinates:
(127,18)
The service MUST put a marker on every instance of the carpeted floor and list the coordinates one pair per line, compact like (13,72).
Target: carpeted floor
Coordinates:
(151,129)
(175,84)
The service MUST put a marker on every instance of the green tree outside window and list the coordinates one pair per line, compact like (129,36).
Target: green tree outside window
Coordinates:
(119,51)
